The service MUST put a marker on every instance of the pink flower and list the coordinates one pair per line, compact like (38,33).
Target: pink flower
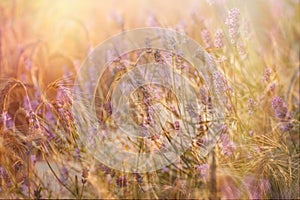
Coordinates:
(176,125)
(241,49)
(267,74)
(203,170)
(220,82)
(206,38)
(33,159)
(121,181)
(219,39)
(152,21)
(229,190)
(233,23)
(256,187)
(227,146)
(64,175)
(279,107)
(7,120)
(251,105)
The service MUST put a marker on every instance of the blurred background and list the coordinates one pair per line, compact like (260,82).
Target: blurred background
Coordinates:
(255,45)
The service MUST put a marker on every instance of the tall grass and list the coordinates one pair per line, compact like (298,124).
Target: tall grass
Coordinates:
(256,48)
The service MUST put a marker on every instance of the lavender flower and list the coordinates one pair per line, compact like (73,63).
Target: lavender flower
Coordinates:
(286,126)
(28,64)
(24,188)
(227,146)
(206,38)
(251,106)
(176,125)
(272,87)
(267,74)
(152,21)
(192,110)
(7,120)
(281,113)
(77,153)
(256,187)
(233,23)
(33,159)
(279,107)
(203,170)
(64,175)
(219,39)
(220,82)
(121,181)
(49,116)
(241,49)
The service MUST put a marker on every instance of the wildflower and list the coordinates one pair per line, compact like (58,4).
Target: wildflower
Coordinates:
(121,181)
(7,120)
(77,153)
(152,21)
(33,158)
(192,110)
(256,187)
(33,121)
(241,49)
(227,146)
(221,59)
(272,87)
(286,126)
(229,190)
(158,57)
(220,82)
(30,104)
(24,188)
(64,175)
(203,170)
(165,169)
(219,39)
(281,113)
(233,23)
(267,74)
(181,27)
(62,95)
(179,55)
(138,177)
(117,18)
(49,116)
(206,38)
(23,78)
(28,64)
(104,168)
(246,32)
(251,106)
(279,107)
(176,125)
(200,142)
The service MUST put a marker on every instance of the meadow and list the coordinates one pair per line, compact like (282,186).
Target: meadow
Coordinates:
(255,48)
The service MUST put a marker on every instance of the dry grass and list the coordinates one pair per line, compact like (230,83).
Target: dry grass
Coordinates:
(42,45)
